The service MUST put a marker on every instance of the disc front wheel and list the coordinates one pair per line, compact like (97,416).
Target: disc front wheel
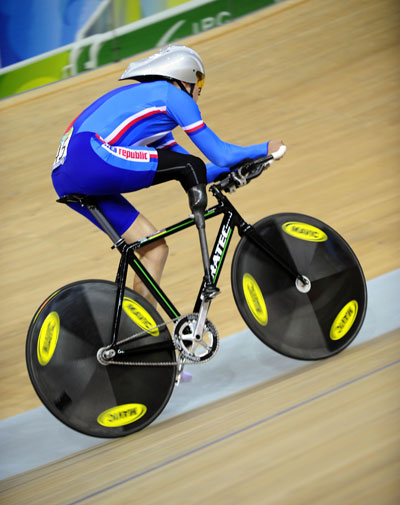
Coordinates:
(314,316)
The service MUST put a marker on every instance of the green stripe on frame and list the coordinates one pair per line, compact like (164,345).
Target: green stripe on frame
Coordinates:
(155,288)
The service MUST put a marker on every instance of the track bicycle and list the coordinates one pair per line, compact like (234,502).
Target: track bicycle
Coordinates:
(104,362)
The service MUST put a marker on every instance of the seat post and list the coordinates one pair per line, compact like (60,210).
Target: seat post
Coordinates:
(90,203)
(105,224)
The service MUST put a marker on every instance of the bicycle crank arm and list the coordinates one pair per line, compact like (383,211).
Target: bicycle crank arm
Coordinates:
(198,332)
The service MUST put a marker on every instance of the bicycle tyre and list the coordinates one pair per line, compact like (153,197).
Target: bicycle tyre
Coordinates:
(304,326)
(104,401)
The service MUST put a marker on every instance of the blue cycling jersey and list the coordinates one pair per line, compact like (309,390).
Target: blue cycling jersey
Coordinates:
(112,146)
(145,115)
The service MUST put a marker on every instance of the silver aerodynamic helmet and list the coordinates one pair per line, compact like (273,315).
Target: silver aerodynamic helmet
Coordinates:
(174,62)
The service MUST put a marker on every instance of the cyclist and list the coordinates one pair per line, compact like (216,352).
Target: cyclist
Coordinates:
(123,142)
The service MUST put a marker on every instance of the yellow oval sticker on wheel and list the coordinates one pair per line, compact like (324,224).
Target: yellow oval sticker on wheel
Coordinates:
(48,338)
(140,316)
(304,231)
(255,299)
(344,320)
(122,415)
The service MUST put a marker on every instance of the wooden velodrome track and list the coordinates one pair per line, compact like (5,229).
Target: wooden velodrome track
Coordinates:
(324,76)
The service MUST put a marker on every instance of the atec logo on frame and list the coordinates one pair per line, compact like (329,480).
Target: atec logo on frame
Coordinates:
(219,249)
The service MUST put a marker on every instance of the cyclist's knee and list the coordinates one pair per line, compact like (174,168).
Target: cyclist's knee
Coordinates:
(195,172)
(161,251)
(198,164)
(140,228)
(155,253)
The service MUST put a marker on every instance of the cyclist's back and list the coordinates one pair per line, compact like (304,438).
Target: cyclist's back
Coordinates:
(137,114)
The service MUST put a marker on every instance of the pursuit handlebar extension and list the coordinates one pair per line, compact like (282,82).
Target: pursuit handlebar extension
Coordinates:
(244,172)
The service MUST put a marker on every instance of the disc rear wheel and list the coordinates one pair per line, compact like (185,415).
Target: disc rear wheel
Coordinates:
(96,399)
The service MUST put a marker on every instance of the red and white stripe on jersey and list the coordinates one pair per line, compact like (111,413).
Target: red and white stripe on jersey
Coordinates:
(131,120)
(194,127)
(167,145)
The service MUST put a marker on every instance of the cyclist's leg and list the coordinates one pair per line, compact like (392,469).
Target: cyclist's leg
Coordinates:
(153,256)
(190,171)
(106,172)
(92,168)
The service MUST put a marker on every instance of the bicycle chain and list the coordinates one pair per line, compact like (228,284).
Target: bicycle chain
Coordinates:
(180,362)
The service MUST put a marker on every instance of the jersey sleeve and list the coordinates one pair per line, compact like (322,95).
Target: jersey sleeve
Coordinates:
(184,110)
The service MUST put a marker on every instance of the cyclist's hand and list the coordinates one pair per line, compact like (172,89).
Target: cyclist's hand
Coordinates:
(276,147)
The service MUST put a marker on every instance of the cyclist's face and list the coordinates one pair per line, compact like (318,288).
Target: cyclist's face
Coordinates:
(196,89)
(199,85)
(196,93)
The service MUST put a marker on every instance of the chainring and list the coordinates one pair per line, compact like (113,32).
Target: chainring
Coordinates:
(190,347)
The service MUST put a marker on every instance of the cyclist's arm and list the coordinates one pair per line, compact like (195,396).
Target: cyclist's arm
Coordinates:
(185,112)
(231,158)
(223,154)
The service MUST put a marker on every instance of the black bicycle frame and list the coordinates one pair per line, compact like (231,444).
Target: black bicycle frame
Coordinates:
(231,219)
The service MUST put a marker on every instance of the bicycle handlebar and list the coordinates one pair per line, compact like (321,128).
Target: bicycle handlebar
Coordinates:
(244,172)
